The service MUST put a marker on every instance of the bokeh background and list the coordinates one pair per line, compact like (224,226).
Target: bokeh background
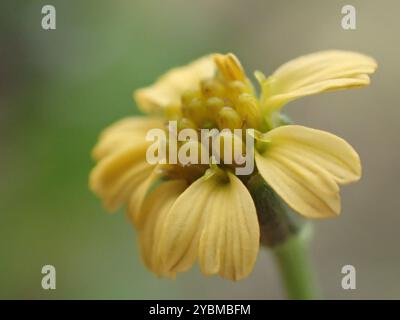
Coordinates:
(59,88)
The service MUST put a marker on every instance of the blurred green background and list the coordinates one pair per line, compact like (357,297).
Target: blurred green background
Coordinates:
(60,88)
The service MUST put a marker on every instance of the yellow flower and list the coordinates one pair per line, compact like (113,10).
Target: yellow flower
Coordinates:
(205,213)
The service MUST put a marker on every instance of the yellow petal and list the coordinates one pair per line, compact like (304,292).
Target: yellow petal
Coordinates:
(121,155)
(215,221)
(168,89)
(299,187)
(326,150)
(156,206)
(123,132)
(118,174)
(138,195)
(315,73)
(305,165)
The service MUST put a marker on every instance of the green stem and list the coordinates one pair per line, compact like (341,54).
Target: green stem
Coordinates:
(295,268)
(286,235)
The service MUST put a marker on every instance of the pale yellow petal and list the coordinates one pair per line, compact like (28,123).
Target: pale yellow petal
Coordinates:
(216,221)
(116,175)
(299,187)
(137,196)
(315,73)
(230,239)
(156,206)
(179,238)
(126,131)
(168,89)
(305,165)
(326,150)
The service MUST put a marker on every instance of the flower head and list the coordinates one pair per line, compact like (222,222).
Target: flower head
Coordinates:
(204,212)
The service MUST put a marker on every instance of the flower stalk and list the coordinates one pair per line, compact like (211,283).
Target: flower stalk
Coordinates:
(295,268)
(287,235)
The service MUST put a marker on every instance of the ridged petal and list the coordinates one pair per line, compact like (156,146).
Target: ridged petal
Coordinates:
(315,73)
(126,131)
(139,194)
(117,175)
(305,165)
(121,156)
(215,221)
(156,207)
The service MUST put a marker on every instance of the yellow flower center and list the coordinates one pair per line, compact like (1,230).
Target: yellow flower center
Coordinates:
(225,101)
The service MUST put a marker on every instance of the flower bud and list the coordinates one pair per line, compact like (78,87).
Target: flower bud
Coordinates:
(248,108)
(230,67)
(185,123)
(228,118)
(212,88)
(228,148)
(214,105)
(196,111)
(189,95)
